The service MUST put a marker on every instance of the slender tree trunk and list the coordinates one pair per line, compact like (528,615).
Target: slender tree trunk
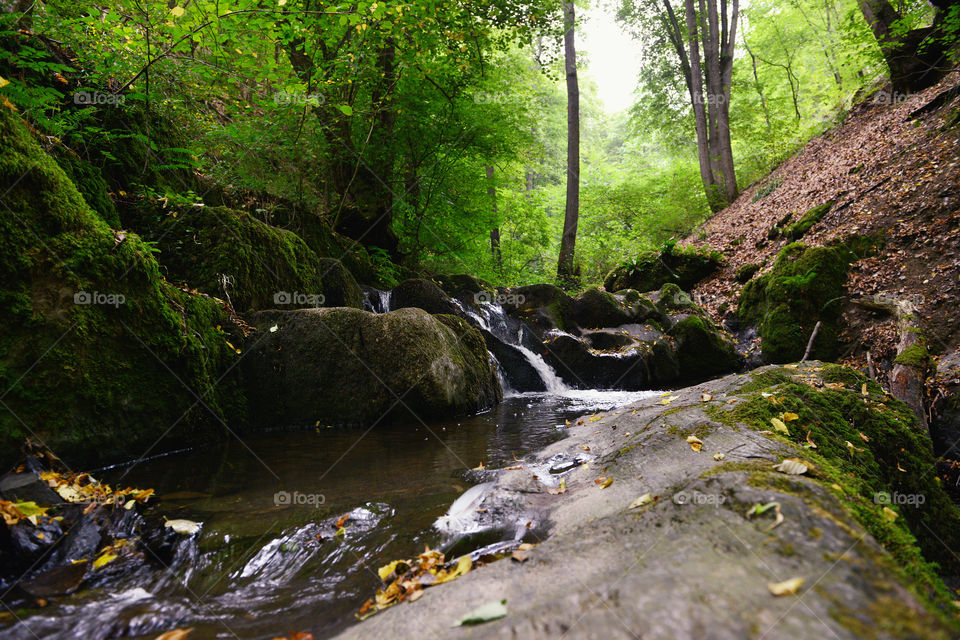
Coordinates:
(565,265)
(495,252)
(699,110)
(727,41)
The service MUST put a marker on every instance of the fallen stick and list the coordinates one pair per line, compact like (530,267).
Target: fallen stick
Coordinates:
(813,336)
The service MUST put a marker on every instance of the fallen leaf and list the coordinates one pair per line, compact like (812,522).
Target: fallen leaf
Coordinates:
(706,397)
(486,613)
(790,417)
(719,456)
(792,466)
(604,482)
(183,527)
(785,588)
(104,559)
(642,500)
(863,436)
(899,468)
(585,447)
(778,425)
(890,514)
(520,556)
(175,634)
(696,444)
(810,441)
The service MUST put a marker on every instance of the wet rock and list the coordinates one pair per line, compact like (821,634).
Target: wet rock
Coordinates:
(650,270)
(303,367)
(422,294)
(27,487)
(595,308)
(540,307)
(604,569)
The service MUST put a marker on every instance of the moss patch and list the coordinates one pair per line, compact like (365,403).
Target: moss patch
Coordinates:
(804,286)
(893,457)
(650,270)
(101,358)
(810,218)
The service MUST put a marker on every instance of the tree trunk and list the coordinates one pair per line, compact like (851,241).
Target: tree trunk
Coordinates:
(917,59)
(495,252)
(568,241)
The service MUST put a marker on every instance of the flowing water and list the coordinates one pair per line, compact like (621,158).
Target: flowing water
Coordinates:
(269,559)
(260,569)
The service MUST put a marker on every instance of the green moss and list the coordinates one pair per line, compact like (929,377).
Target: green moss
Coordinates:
(106,380)
(267,267)
(897,459)
(815,532)
(90,183)
(701,349)
(810,218)
(888,617)
(746,272)
(804,286)
(916,355)
(650,270)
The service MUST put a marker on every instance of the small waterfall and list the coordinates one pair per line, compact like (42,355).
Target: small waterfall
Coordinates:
(376,300)
(493,318)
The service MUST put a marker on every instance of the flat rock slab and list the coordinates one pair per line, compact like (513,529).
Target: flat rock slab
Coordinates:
(690,564)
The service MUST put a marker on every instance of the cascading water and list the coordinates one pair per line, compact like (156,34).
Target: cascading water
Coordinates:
(493,318)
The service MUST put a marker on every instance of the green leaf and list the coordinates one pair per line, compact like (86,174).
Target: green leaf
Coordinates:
(486,613)
(346,109)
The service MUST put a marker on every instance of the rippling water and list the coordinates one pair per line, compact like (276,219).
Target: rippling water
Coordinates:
(267,561)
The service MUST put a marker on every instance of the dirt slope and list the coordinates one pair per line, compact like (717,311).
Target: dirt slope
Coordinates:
(887,173)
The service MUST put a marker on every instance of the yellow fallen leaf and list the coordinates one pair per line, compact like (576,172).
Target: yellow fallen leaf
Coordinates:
(696,444)
(719,456)
(706,397)
(778,425)
(790,417)
(386,570)
(3,82)
(642,500)
(104,559)
(789,366)
(604,482)
(464,564)
(785,588)
(890,514)
(863,436)
(175,634)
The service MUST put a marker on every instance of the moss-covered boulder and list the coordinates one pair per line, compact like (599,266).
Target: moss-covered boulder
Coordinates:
(423,294)
(454,285)
(702,349)
(746,272)
(266,267)
(99,358)
(305,367)
(650,270)
(805,286)
(541,307)
(89,181)
(596,308)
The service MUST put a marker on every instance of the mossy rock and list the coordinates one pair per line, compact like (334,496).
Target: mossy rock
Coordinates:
(873,450)
(804,286)
(266,266)
(422,294)
(650,270)
(88,179)
(595,308)
(455,284)
(541,306)
(101,360)
(702,350)
(810,218)
(746,272)
(309,368)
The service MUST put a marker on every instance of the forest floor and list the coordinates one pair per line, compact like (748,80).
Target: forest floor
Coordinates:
(888,170)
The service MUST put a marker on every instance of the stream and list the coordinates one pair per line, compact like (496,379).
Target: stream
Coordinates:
(268,559)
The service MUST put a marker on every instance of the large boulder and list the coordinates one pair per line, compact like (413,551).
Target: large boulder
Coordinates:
(842,550)
(459,283)
(650,270)
(595,308)
(341,366)
(805,286)
(422,294)
(100,358)
(637,358)
(702,349)
(540,307)
(265,266)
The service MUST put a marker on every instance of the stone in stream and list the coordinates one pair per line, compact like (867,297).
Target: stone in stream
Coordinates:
(350,367)
(690,562)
